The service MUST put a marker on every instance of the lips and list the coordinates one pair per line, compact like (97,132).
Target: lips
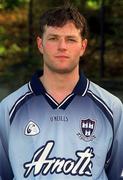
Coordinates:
(62,56)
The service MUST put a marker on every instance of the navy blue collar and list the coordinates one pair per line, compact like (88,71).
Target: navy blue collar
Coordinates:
(38,88)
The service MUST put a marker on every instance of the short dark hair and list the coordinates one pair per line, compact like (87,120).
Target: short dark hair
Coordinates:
(59,16)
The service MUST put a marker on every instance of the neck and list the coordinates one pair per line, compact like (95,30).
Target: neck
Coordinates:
(59,85)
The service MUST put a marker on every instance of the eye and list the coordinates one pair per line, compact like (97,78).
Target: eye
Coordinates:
(52,38)
(71,40)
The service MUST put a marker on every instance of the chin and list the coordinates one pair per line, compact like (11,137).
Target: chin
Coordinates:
(63,71)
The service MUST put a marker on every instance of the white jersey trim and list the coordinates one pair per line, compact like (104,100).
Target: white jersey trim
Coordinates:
(20,99)
(110,112)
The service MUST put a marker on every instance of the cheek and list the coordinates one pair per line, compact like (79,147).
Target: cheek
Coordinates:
(76,52)
(49,47)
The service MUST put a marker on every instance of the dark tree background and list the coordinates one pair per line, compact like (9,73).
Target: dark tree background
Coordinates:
(19,26)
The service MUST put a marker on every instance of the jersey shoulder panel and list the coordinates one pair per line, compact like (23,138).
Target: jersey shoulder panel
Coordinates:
(9,101)
(112,102)
(7,107)
(110,99)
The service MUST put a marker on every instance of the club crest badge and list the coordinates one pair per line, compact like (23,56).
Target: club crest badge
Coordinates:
(87,129)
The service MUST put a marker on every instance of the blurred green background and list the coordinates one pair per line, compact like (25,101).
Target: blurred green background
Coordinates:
(19,57)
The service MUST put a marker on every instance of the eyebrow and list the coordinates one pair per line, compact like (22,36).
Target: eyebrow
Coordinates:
(68,36)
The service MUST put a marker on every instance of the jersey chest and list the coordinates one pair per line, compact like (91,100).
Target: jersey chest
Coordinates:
(75,134)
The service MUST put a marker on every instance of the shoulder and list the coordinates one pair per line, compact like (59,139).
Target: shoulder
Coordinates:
(9,101)
(109,101)
(103,94)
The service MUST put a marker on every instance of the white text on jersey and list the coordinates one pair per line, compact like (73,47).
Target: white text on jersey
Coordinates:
(41,163)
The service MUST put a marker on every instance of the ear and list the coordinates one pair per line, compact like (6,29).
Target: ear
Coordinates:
(84,45)
(40,44)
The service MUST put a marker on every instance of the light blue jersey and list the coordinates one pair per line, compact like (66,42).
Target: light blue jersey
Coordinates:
(79,139)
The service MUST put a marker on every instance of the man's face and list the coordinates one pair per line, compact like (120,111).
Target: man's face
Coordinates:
(61,48)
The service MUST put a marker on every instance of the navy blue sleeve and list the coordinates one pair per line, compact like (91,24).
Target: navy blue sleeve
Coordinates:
(5,167)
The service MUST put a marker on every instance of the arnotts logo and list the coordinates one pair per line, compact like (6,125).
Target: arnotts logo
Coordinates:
(41,163)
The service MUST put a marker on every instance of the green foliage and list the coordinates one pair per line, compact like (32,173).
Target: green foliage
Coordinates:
(10,4)
(2,50)
(93,4)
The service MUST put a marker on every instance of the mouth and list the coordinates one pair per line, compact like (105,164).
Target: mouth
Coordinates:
(62,57)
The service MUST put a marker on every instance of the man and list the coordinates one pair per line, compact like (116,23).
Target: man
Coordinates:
(60,125)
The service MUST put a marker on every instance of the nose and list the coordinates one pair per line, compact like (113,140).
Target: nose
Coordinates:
(62,45)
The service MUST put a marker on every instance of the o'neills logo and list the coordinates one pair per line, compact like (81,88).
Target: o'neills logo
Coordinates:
(41,163)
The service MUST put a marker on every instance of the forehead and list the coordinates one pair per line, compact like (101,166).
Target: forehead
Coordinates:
(66,30)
